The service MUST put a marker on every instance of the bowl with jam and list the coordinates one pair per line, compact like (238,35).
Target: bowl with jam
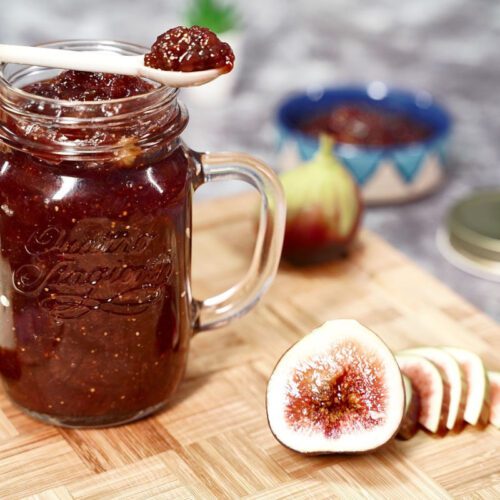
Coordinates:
(394,142)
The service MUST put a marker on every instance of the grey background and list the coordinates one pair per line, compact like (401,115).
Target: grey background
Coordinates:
(449,47)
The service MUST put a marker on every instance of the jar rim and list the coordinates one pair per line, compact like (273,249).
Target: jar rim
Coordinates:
(51,128)
(124,48)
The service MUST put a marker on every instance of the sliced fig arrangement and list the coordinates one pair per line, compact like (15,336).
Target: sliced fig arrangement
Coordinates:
(341,390)
(337,390)
(477,406)
(409,425)
(455,386)
(428,383)
(428,369)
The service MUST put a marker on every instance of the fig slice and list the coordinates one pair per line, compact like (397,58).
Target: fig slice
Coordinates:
(337,390)
(494,378)
(409,426)
(455,390)
(427,381)
(477,407)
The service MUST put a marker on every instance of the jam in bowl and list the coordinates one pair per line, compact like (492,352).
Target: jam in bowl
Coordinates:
(96,185)
(392,141)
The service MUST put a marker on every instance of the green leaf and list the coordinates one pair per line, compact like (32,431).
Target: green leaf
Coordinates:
(213,15)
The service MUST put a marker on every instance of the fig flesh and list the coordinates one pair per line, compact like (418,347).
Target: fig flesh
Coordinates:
(427,381)
(337,390)
(494,378)
(455,386)
(409,426)
(477,407)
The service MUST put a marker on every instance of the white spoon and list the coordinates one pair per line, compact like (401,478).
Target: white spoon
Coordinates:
(105,62)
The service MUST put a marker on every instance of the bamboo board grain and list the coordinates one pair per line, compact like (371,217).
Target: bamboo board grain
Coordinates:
(213,440)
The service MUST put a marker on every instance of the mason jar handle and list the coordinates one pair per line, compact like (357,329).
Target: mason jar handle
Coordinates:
(240,298)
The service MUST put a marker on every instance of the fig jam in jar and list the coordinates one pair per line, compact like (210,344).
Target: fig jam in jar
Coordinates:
(96,311)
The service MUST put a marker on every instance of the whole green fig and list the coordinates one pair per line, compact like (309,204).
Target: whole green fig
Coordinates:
(324,208)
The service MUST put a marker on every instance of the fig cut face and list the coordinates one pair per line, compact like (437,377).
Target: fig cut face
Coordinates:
(409,426)
(455,384)
(427,381)
(477,407)
(337,390)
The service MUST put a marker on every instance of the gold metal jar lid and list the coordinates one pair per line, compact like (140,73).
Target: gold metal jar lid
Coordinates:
(470,238)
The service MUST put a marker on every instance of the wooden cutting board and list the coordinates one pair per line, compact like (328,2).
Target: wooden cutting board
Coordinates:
(214,442)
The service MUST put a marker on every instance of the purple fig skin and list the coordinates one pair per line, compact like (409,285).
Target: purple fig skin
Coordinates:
(309,240)
(325,208)
(409,427)
(325,453)
(484,419)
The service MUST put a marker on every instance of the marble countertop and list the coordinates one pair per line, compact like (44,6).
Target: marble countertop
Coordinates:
(448,47)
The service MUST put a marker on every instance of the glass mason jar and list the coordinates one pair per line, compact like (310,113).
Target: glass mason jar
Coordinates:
(96,311)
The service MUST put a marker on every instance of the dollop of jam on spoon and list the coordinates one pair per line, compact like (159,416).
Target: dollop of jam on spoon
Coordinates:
(190,49)
(180,57)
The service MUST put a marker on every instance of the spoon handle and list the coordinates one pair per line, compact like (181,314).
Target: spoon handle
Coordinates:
(94,61)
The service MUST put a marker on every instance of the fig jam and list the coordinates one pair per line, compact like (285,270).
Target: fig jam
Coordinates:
(366,125)
(84,86)
(95,217)
(190,49)
(337,393)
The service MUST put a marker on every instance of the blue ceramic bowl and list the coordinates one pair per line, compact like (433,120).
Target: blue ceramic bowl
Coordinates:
(385,174)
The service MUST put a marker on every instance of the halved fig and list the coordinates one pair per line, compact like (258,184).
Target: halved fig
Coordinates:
(426,379)
(337,390)
(409,426)
(477,406)
(494,378)
(455,390)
